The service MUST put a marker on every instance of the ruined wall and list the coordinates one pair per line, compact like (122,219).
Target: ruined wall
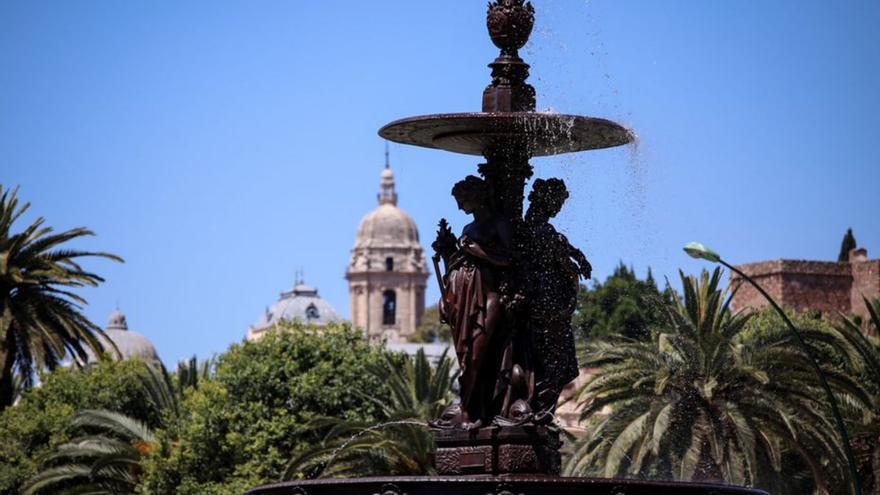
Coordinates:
(797,284)
(866,282)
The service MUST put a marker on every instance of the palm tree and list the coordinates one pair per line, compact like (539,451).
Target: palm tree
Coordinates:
(104,462)
(867,367)
(707,399)
(40,319)
(106,459)
(400,443)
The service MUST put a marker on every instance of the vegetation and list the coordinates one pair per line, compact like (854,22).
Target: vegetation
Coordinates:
(106,459)
(40,319)
(711,397)
(240,428)
(401,443)
(622,305)
(42,420)
(867,369)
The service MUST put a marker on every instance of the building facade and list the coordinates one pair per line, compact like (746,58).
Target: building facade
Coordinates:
(825,286)
(387,274)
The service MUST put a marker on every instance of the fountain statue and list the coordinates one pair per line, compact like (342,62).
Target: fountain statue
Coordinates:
(508,282)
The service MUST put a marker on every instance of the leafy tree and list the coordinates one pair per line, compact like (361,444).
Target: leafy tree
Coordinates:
(431,328)
(711,397)
(240,429)
(40,319)
(41,421)
(622,305)
(105,463)
(106,459)
(402,443)
(847,245)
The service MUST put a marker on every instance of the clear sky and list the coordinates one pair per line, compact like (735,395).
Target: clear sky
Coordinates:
(220,146)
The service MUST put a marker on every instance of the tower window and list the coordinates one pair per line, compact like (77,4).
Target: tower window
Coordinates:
(389,264)
(389,307)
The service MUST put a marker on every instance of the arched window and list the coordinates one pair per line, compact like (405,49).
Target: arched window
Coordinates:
(389,264)
(389,307)
(312,312)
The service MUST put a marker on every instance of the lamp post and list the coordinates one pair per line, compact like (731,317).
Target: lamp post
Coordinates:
(699,251)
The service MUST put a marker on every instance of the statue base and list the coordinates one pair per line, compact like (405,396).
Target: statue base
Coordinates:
(525,449)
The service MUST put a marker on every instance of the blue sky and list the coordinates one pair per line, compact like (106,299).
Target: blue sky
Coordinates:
(221,146)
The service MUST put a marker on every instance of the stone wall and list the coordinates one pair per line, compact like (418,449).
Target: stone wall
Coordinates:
(866,282)
(829,287)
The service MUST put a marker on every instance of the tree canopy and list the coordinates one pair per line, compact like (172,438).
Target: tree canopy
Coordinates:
(42,420)
(623,305)
(240,429)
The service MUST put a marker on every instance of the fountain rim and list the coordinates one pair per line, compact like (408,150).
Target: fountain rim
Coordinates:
(520,480)
(542,133)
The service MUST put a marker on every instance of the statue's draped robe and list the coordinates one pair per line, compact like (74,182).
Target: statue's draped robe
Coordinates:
(469,281)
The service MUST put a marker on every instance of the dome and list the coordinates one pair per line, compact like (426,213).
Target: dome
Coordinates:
(129,343)
(301,304)
(387,225)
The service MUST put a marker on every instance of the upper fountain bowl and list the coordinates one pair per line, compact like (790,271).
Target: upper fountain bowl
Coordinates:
(542,134)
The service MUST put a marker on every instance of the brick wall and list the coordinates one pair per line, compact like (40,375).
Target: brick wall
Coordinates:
(866,282)
(797,284)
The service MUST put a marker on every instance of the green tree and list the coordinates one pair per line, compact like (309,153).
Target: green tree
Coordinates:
(40,319)
(431,328)
(711,397)
(240,429)
(621,306)
(402,443)
(41,421)
(847,245)
(106,458)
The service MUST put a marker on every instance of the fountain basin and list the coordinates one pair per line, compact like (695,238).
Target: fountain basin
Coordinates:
(495,485)
(541,134)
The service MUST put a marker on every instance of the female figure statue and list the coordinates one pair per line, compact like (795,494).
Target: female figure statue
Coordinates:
(471,303)
(555,268)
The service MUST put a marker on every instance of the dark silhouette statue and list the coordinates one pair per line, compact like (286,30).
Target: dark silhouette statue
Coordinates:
(555,267)
(515,358)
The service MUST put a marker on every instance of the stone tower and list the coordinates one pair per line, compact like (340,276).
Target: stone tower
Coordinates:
(388,273)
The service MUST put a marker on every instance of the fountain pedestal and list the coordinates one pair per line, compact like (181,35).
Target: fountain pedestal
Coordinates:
(498,450)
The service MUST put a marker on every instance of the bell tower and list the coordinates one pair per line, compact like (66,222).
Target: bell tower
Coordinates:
(388,272)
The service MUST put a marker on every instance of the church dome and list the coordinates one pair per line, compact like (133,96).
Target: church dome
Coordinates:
(301,304)
(130,344)
(387,225)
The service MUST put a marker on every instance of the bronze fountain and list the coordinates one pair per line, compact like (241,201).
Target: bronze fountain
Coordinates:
(508,285)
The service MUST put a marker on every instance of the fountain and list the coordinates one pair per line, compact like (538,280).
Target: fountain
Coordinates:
(509,284)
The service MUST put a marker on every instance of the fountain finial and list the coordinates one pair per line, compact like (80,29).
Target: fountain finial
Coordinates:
(510,23)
